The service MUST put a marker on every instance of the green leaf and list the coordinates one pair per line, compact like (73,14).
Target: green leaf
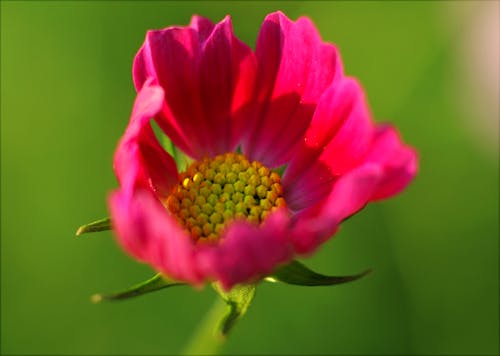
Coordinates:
(298,274)
(153,284)
(238,300)
(99,225)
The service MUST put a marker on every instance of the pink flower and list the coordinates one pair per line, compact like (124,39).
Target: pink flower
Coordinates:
(240,115)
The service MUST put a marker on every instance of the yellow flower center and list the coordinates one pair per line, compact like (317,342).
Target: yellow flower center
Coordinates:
(213,192)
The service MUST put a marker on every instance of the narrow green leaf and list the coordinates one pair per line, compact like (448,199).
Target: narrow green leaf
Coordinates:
(298,274)
(237,300)
(153,284)
(99,225)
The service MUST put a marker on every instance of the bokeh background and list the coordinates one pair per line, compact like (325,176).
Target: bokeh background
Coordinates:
(431,68)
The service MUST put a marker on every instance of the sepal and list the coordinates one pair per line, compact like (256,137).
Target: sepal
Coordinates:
(182,160)
(298,274)
(153,284)
(238,299)
(95,226)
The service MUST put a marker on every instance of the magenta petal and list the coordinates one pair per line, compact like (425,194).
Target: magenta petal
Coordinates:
(350,193)
(169,57)
(146,232)
(398,161)
(248,252)
(352,141)
(203,26)
(387,168)
(338,138)
(208,78)
(295,67)
(306,178)
(345,150)
(332,111)
(139,159)
(227,69)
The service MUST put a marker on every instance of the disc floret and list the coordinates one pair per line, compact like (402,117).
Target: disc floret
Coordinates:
(213,192)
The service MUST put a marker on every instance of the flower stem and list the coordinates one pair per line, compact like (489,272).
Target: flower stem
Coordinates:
(205,340)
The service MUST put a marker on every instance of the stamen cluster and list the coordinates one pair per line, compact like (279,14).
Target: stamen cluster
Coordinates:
(213,192)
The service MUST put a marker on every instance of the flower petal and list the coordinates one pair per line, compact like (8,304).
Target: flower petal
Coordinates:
(203,26)
(349,194)
(139,159)
(336,141)
(145,230)
(247,252)
(398,161)
(332,111)
(388,167)
(227,73)
(295,67)
(208,78)
(169,57)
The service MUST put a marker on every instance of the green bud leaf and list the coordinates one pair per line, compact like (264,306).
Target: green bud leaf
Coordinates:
(298,274)
(238,300)
(99,225)
(153,284)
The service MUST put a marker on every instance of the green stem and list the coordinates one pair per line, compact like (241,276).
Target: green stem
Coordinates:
(205,341)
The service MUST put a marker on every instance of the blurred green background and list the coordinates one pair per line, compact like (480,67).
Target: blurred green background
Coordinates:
(66,94)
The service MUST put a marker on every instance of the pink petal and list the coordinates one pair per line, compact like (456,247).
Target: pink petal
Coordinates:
(208,77)
(398,161)
(145,230)
(203,26)
(139,159)
(295,67)
(388,167)
(352,140)
(336,141)
(227,71)
(248,252)
(169,57)
(350,193)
